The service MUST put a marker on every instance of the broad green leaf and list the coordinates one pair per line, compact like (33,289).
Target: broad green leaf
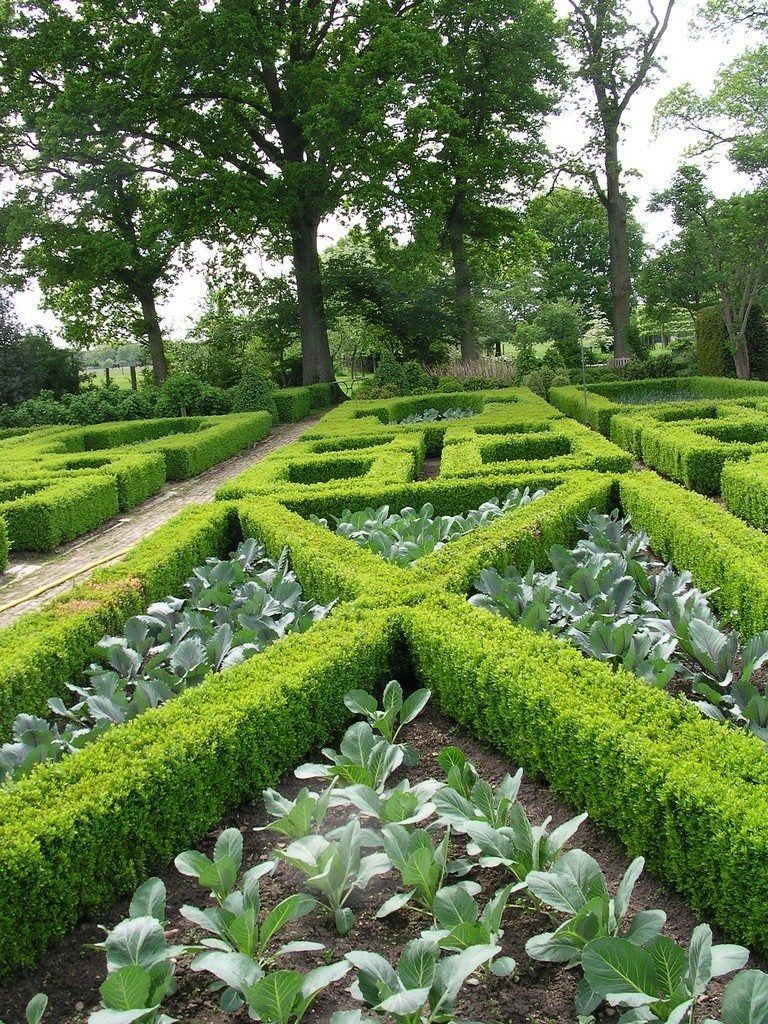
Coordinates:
(669,963)
(230,844)
(745,1000)
(274,996)
(613,965)
(416,966)
(404,1003)
(149,900)
(414,705)
(126,989)
(454,906)
(36,1008)
(289,909)
(321,977)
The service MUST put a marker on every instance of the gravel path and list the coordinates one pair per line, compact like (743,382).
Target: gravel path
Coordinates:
(28,572)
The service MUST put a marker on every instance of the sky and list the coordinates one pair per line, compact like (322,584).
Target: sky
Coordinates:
(686,58)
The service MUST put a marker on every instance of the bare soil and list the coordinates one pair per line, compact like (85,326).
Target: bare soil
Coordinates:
(538,993)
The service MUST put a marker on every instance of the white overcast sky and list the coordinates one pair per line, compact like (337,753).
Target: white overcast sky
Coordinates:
(687,58)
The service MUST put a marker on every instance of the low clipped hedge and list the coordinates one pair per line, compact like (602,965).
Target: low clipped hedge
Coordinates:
(302,465)
(188,454)
(689,795)
(294,404)
(4,545)
(75,835)
(723,553)
(44,650)
(604,401)
(744,488)
(562,446)
(50,512)
(59,483)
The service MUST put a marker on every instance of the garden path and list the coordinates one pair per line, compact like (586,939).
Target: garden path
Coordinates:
(28,572)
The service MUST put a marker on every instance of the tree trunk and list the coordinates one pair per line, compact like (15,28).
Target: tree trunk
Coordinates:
(737,335)
(618,247)
(154,334)
(463,283)
(317,365)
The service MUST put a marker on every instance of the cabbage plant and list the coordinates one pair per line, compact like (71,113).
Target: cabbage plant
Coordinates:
(403,537)
(234,609)
(435,415)
(612,600)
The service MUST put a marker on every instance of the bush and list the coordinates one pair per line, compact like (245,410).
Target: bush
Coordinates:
(560,323)
(183,394)
(757,343)
(540,381)
(712,356)
(254,393)
(406,378)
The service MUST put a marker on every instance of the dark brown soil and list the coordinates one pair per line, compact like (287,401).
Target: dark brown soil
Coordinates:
(538,993)
(430,469)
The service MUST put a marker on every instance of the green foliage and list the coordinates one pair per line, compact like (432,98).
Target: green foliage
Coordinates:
(254,392)
(30,362)
(560,323)
(712,356)
(184,394)
(404,378)
(4,546)
(234,609)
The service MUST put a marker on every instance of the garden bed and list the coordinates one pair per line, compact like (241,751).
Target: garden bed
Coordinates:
(71,974)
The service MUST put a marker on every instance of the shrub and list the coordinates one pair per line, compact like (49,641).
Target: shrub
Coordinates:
(184,394)
(254,393)
(3,545)
(712,356)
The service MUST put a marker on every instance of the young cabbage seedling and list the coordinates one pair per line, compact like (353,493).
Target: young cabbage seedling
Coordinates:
(577,887)
(459,923)
(422,866)
(36,1007)
(423,989)
(362,760)
(658,981)
(334,869)
(393,716)
(281,997)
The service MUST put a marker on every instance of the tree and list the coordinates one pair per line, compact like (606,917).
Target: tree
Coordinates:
(30,362)
(94,215)
(471,138)
(679,275)
(734,116)
(573,225)
(616,56)
(735,231)
(399,290)
(266,108)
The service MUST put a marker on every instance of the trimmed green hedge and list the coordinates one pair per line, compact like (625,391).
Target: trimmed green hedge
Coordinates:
(4,546)
(688,794)
(744,487)
(723,553)
(77,834)
(50,512)
(562,446)
(712,356)
(44,650)
(606,400)
(58,483)
(294,404)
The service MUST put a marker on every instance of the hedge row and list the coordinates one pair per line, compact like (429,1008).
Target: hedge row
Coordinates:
(4,546)
(603,401)
(493,412)
(44,650)
(562,446)
(62,482)
(688,794)
(330,566)
(396,460)
(744,488)
(75,835)
(294,404)
(723,553)
(51,511)
(694,450)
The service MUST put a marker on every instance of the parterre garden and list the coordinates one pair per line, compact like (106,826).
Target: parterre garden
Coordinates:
(599,628)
